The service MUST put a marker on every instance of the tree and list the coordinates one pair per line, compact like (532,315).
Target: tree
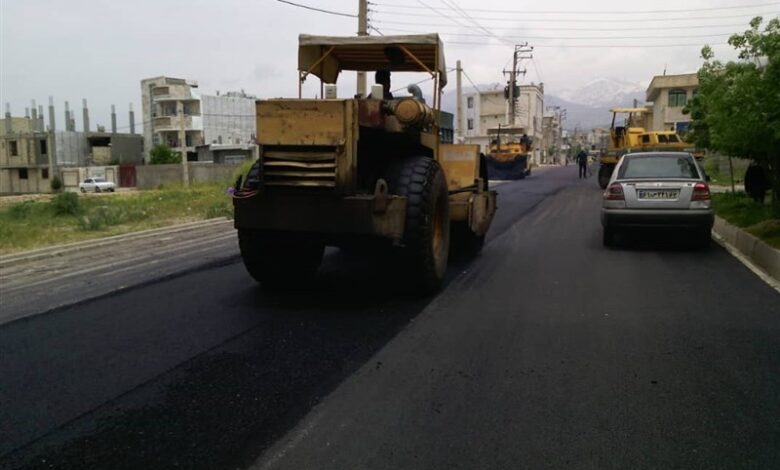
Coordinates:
(736,110)
(161,154)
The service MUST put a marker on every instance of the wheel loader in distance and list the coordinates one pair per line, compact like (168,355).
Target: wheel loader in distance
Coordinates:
(632,137)
(365,170)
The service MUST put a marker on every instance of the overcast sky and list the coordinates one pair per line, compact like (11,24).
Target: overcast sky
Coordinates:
(101,49)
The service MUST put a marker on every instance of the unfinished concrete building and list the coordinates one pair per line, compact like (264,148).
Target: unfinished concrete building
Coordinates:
(26,151)
(176,115)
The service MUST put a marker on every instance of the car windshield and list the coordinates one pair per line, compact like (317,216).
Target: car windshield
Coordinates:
(658,166)
(99,180)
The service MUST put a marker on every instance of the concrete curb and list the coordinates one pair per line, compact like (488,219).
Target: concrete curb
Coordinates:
(755,251)
(12,259)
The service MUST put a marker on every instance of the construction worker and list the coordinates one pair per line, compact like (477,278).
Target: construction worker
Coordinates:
(582,161)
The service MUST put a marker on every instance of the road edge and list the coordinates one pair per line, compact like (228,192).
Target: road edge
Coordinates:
(754,253)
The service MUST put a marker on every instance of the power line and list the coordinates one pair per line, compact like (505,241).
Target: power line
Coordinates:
(330,12)
(575,20)
(644,28)
(590,46)
(590,12)
(573,37)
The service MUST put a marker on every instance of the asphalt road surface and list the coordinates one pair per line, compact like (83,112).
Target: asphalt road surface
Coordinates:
(547,351)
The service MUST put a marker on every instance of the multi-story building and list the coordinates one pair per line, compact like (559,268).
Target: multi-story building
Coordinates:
(25,155)
(487,110)
(669,94)
(175,114)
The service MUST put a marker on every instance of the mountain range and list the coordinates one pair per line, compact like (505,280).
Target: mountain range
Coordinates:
(586,107)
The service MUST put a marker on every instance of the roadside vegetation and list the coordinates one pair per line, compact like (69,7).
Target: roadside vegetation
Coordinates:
(735,111)
(761,220)
(69,217)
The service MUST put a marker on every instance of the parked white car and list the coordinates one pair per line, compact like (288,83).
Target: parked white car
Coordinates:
(97,185)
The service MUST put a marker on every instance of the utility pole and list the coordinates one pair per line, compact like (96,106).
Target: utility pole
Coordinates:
(185,175)
(362,31)
(511,95)
(459,92)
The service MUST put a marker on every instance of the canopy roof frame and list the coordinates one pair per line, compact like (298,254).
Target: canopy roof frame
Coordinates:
(326,56)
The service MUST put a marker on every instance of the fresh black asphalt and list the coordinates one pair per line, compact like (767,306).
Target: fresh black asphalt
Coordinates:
(547,351)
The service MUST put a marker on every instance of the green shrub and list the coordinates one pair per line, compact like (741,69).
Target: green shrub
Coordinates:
(66,204)
(161,154)
(21,210)
(56,184)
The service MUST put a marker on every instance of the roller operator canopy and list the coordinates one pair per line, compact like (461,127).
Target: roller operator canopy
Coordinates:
(326,56)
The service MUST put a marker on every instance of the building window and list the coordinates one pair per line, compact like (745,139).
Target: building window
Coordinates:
(43,147)
(470,124)
(677,98)
(470,102)
(45,173)
(13,148)
(22,173)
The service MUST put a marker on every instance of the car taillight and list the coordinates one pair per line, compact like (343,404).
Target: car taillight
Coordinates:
(614,192)
(701,192)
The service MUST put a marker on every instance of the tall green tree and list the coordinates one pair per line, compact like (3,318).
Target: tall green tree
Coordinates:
(736,110)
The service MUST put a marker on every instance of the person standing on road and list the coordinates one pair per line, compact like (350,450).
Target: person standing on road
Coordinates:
(582,161)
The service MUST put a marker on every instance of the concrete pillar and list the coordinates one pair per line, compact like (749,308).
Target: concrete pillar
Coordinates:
(132,119)
(52,154)
(34,115)
(8,123)
(85,112)
(51,114)
(67,116)
(27,113)
(40,124)
(113,119)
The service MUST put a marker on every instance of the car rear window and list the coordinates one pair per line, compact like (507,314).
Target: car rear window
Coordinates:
(100,180)
(658,166)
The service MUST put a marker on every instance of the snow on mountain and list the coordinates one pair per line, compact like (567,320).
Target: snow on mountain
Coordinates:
(604,92)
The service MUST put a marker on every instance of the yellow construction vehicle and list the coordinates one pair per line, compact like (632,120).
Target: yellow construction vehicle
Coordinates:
(365,169)
(631,136)
(508,150)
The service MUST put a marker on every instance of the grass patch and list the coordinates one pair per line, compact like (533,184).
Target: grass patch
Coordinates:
(738,209)
(70,217)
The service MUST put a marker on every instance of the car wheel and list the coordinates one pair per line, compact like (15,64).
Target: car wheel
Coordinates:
(97,189)
(82,190)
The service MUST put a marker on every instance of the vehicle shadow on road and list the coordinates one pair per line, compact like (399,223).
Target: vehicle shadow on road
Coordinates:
(659,240)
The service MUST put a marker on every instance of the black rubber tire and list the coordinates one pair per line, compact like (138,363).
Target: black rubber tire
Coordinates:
(426,237)
(97,189)
(608,236)
(605,173)
(280,259)
(82,190)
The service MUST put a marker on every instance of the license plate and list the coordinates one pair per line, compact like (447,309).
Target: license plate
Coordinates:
(656,194)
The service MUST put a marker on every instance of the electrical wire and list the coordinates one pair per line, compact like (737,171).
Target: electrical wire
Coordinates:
(552,28)
(590,46)
(580,20)
(589,12)
(574,37)
(320,10)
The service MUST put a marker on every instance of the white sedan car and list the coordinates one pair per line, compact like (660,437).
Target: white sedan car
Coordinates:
(658,190)
(97,185)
